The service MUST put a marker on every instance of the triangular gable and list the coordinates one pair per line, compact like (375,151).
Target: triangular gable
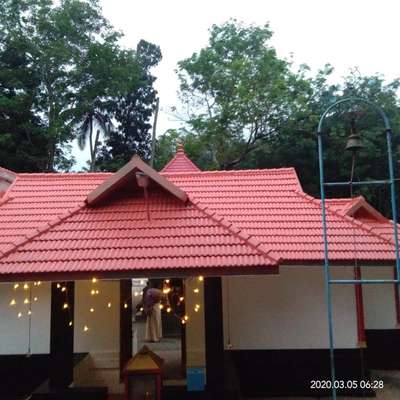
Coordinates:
(128,174)
(356,207)
(180,163)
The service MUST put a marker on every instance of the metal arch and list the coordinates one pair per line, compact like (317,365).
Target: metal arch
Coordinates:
(355,99)
(390,182)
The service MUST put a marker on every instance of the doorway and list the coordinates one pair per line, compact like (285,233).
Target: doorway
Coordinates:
(172,345)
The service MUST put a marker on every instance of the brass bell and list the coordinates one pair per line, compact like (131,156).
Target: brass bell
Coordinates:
(354,142)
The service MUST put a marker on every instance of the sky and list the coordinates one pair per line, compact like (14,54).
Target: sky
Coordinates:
(346,34)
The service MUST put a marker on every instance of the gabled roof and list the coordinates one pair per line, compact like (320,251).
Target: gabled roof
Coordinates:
(232,222)
(362,211)
(127,176)
(180,163)
(7,174)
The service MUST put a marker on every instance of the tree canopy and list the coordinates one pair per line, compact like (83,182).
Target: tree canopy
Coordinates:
(249,109)
(74,69)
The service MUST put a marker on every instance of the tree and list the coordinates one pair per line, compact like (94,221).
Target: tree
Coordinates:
(22,136)
(238,92)
(73,52)
(132,114)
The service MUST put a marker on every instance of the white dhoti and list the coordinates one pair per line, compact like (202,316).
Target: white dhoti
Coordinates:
(153,324)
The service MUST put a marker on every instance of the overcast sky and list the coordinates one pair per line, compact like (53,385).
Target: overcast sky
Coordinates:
(343,33)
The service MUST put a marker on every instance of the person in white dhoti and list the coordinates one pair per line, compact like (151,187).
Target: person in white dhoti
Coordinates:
(151,306)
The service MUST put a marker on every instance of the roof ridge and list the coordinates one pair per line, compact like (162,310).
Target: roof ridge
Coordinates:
(347,218)
(34,233)
(239,233)
(228,171)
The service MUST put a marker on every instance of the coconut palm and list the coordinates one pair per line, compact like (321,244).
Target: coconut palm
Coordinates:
(92,119)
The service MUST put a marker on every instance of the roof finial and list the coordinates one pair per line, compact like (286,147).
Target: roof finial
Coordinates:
(179,146)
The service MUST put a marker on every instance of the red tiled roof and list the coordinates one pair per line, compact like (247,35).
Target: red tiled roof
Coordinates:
(362,211)
(180,163)
(233,222)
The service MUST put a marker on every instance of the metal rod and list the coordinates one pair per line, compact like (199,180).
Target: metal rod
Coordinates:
(382,182)
(362,281)
(327,278)
(394,207)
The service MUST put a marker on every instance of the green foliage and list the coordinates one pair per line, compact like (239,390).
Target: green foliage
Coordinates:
(238,92)
(132,113)
(79,72)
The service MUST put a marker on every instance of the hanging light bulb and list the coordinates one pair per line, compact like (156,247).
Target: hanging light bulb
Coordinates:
(201,279)
(125,305)
(26,301)
(183,321)
(166,290)
(109,305)
(39,283)
(136,294)
(58,286)
(97,291)
(16,286)
(167,281)
(92,309)
(92,292)
(13,302)
(63,289)
(70,323)
(169,309)
(181,298)
(65,306)
(85,328)
(196,290)
(35,299)
(26,286)
(161,306)
(19,315)
(94,280)
(186,317)
(29,312)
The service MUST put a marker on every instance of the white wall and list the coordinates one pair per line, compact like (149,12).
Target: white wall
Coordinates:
(288,311)
(379,300)
(103,323)
(14,331)
(195,328)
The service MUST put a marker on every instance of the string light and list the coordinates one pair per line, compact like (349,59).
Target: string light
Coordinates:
(13,302)
(58,286)
(109,305)
(97,291)
(19,315)
(183,321)
(63,289)
(65,306)
(181,298)
(92,309)
(166,290)
(26,286)
(29,312)
(186,317)
(70,323)
(94,280)
(169,309)
(142,282)
(196,307)
(136,294)
(167,281)
(35,299)
(85,328)
(16,286)
(39,283)
(126,305)
(141,308)
(26,301)
(161,306)
(196,290)
(201,279)
(92,292)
